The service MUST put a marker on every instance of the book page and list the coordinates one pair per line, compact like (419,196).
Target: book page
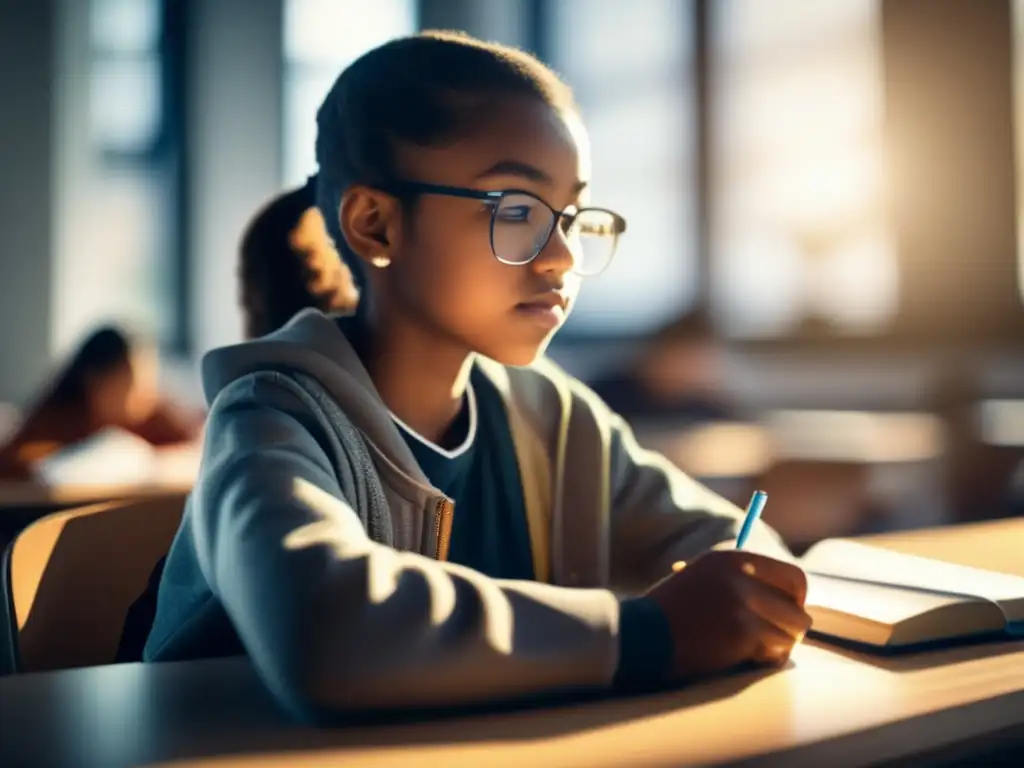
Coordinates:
(110,457)
(848,559)
(873,602)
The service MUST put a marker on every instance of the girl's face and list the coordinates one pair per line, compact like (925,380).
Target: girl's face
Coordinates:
(125,395)
(443,276)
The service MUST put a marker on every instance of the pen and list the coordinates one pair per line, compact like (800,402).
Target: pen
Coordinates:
(754,509)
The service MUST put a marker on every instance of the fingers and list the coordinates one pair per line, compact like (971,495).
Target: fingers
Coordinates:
(777,609)
(786,578)
(769,643)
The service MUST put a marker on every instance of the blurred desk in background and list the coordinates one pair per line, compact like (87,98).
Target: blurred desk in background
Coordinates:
(89,475)
(820,468)
(746,449)
(1001,422)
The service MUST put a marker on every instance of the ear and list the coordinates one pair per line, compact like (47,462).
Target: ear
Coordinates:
(371,222)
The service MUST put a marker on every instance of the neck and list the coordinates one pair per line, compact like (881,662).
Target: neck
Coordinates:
(420,378)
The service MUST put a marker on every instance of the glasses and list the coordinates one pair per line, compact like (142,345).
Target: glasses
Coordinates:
(522,224)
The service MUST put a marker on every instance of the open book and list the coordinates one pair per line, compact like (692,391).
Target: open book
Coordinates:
(877,597)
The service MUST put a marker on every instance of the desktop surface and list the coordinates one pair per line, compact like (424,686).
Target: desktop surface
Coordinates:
(826,707)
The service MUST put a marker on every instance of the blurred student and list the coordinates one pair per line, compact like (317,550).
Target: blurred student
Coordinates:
(110,381)
(288,262)
(678,374)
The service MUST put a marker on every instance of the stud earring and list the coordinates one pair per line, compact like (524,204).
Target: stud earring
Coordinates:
(381,262)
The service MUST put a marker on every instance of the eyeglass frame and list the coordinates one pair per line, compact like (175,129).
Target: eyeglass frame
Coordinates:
(402,186)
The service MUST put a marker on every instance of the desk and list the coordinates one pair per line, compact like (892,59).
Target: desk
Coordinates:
(21,504)
(28,495)
(825,709)
(996,544)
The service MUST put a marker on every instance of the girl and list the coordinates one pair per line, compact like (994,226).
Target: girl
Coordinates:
(406,508)
(110,381)
(287,262)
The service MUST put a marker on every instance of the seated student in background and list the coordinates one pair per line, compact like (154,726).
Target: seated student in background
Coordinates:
(110,381)
(287,262)
(678,374)
(406,507)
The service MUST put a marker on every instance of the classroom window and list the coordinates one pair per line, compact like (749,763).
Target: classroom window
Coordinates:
(631,68)
(120,261)
(799,233)
(321,38)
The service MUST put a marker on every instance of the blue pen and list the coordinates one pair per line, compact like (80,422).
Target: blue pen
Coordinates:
(754,509)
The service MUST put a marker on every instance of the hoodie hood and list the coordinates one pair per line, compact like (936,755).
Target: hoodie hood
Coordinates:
(313,343)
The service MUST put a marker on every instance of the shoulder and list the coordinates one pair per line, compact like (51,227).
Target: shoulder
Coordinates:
(264,389)
(273,406)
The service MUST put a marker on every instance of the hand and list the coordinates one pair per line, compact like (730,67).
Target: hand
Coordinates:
(729,607)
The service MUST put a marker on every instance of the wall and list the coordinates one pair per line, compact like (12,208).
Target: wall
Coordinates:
(26,193)
(234,79)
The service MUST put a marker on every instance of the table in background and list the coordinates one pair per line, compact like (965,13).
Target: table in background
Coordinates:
(826,708)
(827,473)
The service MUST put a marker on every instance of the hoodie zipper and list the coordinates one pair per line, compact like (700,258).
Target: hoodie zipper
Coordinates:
(443,530)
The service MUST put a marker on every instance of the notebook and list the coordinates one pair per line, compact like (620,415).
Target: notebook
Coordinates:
(875,597)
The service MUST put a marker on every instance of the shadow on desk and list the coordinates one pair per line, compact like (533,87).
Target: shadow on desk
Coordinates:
(945,654)
(567,716)
(219,710)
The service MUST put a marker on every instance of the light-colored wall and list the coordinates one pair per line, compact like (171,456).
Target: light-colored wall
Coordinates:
(235,84)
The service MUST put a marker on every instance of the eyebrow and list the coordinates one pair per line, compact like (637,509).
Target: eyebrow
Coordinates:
(524,171)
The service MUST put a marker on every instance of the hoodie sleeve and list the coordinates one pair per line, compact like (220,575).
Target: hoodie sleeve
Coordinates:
(660,515)
(335,622)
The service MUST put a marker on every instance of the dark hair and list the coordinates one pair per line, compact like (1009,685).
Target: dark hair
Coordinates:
(278,278)
(102,351)
(414,90)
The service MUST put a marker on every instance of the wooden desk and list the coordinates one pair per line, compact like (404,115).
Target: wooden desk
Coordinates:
(997,545)
(740,449)
(825,709)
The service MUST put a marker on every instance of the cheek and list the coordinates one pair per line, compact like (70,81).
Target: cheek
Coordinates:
(449,268)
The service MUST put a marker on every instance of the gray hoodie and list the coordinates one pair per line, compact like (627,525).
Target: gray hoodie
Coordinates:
(313,542)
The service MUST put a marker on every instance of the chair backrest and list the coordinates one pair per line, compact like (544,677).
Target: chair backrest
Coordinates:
(73,575)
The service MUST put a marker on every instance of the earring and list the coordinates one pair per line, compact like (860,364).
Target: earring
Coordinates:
(381,262)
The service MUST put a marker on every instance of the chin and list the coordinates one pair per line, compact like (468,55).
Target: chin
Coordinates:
(518,355)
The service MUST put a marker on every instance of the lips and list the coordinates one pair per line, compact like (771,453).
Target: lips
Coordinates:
(547,310)
(552,300)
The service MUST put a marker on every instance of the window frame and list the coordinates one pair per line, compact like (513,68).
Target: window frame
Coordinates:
(166,155)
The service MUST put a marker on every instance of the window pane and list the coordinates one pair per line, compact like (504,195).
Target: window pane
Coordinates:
(321,38)
(338,31)
(636,97)
(120,267)
(304,90)
(798,191)
(117,234)
(620,132)
(652,275)
(125,26)
(125,103)
(652,36)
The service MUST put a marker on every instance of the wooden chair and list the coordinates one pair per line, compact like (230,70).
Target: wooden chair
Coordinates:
(71,577)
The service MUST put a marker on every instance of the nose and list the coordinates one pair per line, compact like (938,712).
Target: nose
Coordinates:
(556,257)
